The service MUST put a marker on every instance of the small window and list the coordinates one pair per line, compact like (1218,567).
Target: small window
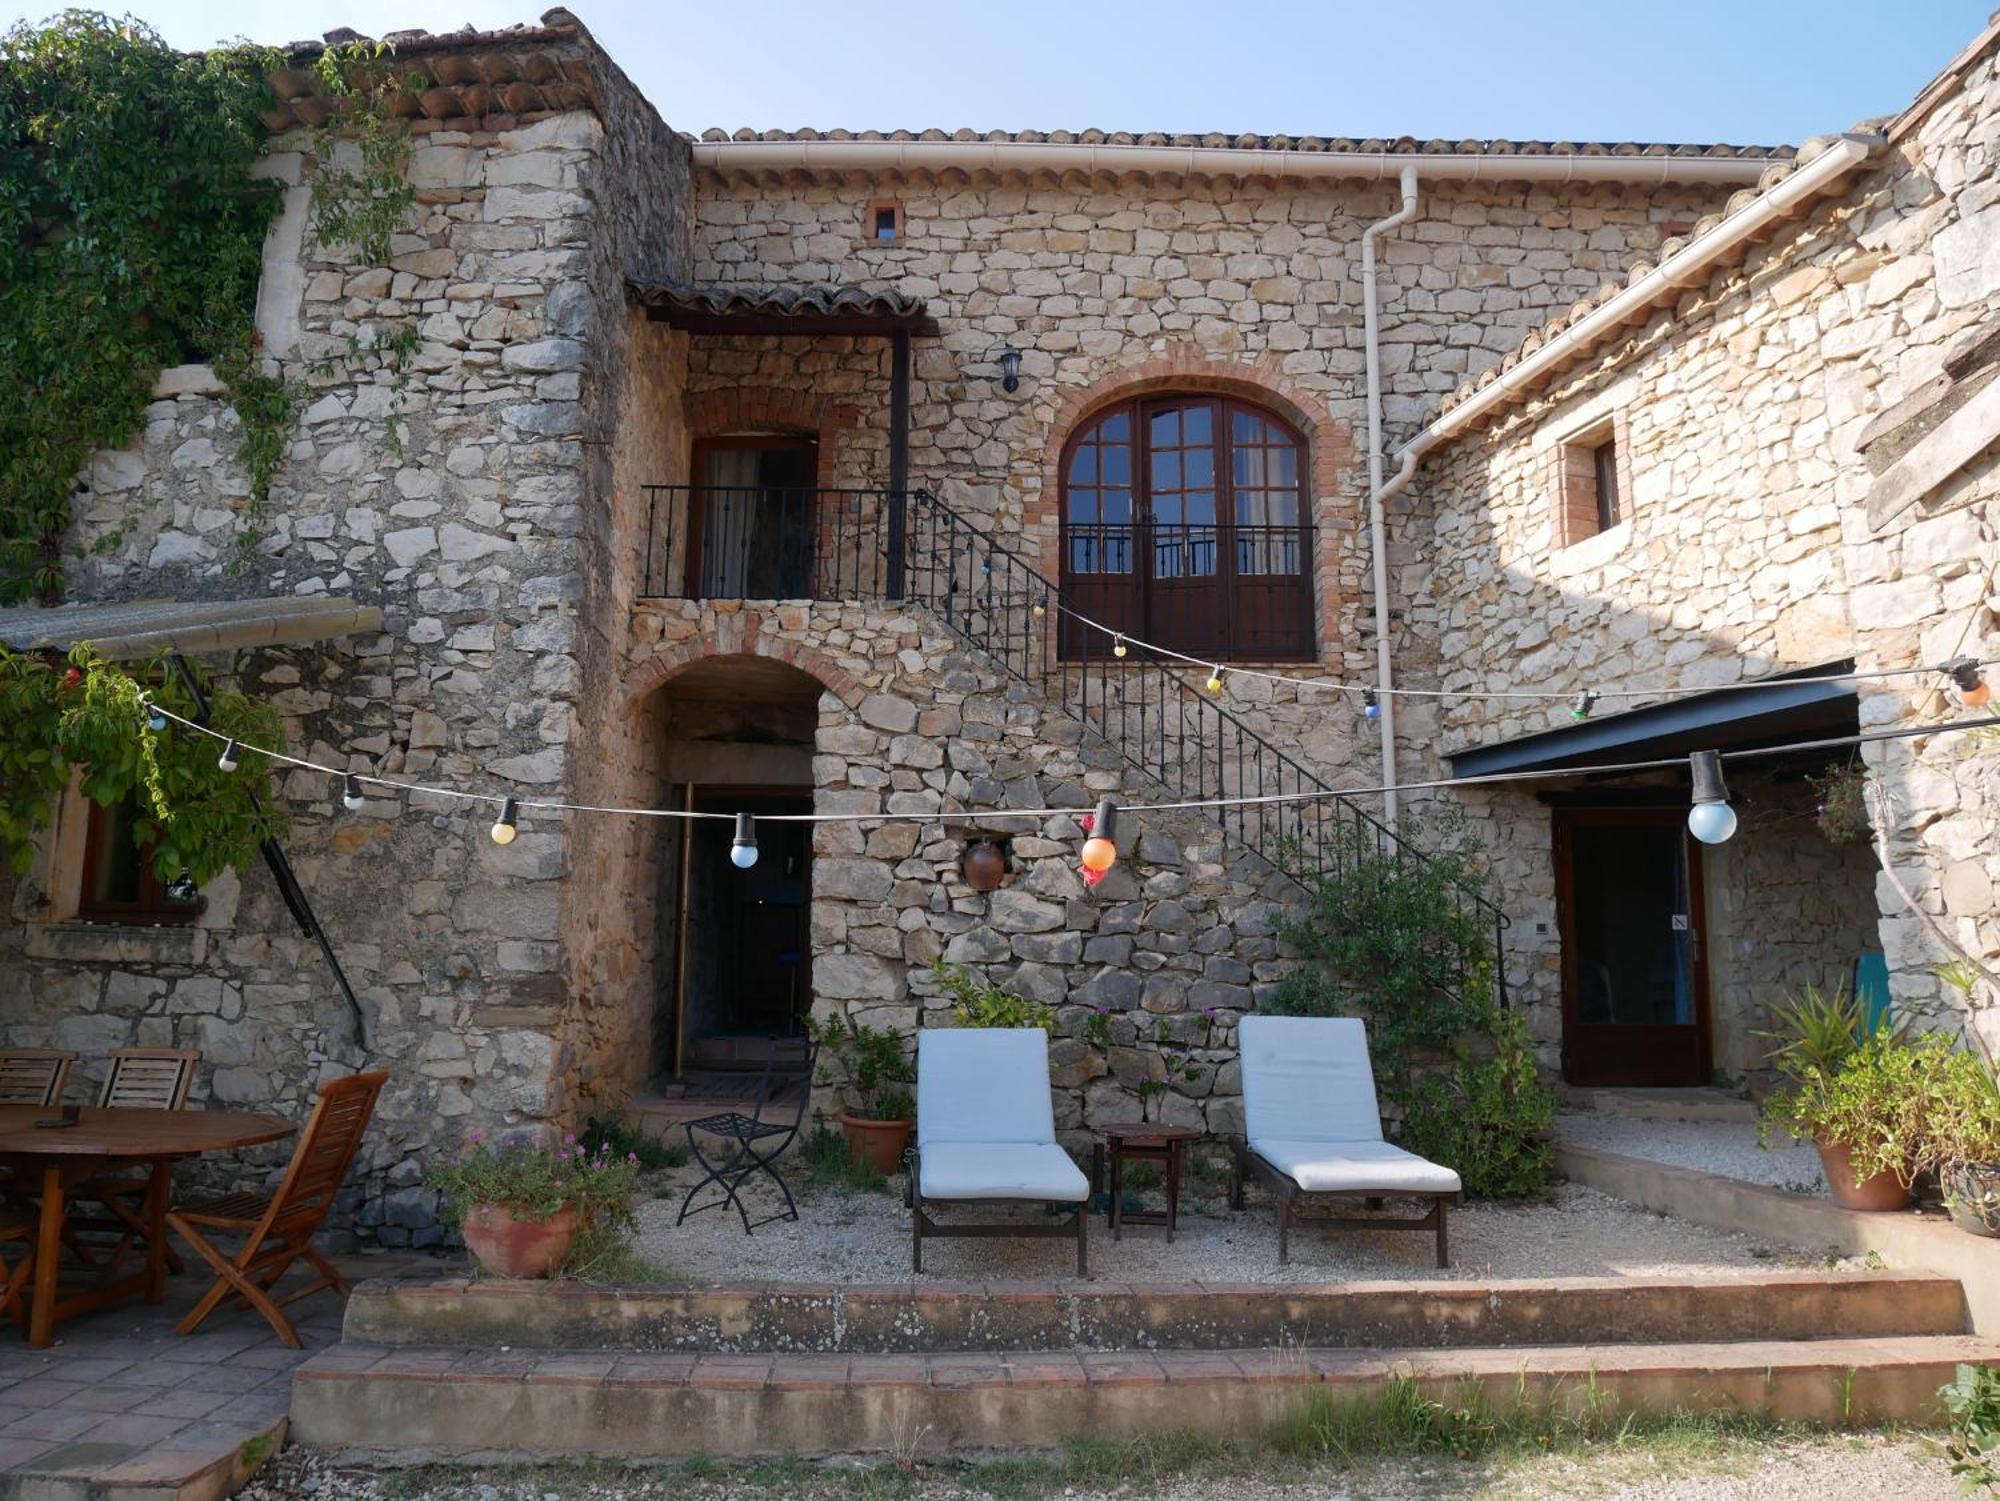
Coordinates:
(885,223)
(118,884)
(1590,484)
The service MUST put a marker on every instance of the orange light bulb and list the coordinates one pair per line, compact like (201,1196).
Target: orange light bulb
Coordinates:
(1099,854)
(1976,696)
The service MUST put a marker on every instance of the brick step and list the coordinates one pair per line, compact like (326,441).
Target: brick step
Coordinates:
(417,1401)
(908,1318)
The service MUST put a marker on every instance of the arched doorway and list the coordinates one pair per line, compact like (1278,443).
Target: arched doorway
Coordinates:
(1185,521)
(736,734)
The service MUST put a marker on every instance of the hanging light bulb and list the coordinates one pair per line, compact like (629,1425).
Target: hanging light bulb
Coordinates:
(1973,689)
(1369,706)
(1215,678)
(227,760)
(182,887)
(743,848)
(1040,608)
(1711,819)
(1585,702)
(1100,850)
(155,720)
(504,827)
(1119,648)
(350,793)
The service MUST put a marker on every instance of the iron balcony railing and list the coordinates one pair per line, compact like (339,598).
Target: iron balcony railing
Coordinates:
(915,549)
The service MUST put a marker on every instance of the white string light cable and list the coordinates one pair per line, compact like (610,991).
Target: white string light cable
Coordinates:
(1963,672)
(744,845)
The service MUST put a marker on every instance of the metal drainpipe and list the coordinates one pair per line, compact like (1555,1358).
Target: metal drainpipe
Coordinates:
(1377,529)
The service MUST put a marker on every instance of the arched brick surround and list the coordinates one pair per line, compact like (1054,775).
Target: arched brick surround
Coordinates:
(749,409)
(738,634)
(1187,368)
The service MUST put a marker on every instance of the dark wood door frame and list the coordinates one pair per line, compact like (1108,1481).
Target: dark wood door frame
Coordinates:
(1577,1068)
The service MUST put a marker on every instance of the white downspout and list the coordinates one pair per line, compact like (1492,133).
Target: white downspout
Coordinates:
(1377,529)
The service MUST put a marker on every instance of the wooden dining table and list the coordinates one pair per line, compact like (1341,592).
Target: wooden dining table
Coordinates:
(48,1160)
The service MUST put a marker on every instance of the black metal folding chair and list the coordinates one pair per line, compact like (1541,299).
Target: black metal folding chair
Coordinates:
(746,1145)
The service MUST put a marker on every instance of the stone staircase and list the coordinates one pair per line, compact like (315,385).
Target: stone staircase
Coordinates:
(487,1369)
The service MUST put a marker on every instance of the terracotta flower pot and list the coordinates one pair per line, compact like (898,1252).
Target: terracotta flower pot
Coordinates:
(879,1144)
(1883,1193)
(1972,1194)
(507,1246)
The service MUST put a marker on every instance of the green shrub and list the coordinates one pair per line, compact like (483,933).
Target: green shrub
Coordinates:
(978,1002)
(1893,1102)
(622,1140)
(1973,1403)
(536,1178)
(1489,1120)
(879,1071)
(829,1164)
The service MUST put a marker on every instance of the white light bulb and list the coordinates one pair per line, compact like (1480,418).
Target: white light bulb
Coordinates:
(743,856)
(504,827)
(1118,647)
(351,798)
(227,760)
(1712,823)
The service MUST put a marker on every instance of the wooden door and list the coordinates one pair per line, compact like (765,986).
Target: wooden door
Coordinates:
(1634,976)
(1183,543)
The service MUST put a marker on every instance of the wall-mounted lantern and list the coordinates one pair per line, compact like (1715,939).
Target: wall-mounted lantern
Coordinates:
(1010,370)
(984,865)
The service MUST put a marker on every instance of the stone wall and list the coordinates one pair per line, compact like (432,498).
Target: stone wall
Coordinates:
(1748,547)
(454,493)
(1108,288)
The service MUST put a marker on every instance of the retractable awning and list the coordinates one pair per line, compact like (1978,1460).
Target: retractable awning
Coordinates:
(144,627)
(1776,711)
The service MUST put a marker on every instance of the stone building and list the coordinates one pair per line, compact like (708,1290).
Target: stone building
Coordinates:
(771,473)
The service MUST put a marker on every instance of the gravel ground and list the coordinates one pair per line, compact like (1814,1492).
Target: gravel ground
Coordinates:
(1822,1468)
(861,1237)
(1726,1148)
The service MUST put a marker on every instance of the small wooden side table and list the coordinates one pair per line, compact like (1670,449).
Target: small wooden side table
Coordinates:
(1143,1141)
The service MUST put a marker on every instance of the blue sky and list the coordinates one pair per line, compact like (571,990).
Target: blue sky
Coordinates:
(1749,71)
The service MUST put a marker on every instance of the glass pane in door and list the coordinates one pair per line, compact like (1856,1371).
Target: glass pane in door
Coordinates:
(1634,965)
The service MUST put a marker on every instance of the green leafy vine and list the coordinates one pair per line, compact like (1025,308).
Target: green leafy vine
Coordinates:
(131,238)
(362,207)
(85,716)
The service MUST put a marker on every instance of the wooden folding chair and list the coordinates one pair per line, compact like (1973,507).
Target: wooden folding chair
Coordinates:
(14,1279)
(137,1079)
(33,1076)
(278,1230)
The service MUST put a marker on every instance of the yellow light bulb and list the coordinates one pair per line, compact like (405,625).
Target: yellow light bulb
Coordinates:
(504,827)
(1215,680)
(1118,647)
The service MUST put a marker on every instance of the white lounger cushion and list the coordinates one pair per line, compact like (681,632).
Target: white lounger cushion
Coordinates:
(1309,1109)
(1307,1078)
(984,1084)
(986,1120)
(1366,1167)
(1001,1170)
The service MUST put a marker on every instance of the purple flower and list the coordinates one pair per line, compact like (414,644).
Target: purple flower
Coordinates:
(476,1137)
(569,1138)
(631,1156)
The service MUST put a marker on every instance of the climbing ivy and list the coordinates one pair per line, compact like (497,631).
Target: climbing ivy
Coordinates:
(131,235)
(363,205)
(88,716)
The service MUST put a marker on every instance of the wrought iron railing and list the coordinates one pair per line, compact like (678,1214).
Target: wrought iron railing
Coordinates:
(859,545)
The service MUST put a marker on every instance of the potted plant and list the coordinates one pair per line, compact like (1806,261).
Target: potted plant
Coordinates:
(1965,1124)
(879,1076)
(1839,1091)
(521,1203)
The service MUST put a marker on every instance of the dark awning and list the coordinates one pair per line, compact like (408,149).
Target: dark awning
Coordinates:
(778,309)
(147,626)
(1777,711)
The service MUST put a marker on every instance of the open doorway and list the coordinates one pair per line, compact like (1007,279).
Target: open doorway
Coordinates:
(1634,974)
(746,974)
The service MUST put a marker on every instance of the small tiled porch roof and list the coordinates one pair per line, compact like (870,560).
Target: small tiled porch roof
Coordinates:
(785,309)
(148,626)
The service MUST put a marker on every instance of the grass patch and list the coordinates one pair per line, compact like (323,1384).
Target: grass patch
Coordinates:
(829,1165)
(603,1257)
(654,1152)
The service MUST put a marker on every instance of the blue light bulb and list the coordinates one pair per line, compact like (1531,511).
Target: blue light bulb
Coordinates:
(743,856)
(1712,823)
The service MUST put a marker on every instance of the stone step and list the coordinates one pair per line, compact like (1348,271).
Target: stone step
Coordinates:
(419,1401)
(910,1318)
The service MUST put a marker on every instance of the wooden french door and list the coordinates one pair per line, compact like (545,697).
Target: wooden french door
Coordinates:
(1634,971)
(1185,523)
(752,515)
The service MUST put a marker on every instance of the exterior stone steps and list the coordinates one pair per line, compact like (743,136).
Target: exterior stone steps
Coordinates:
(930,1317)
(362,1399)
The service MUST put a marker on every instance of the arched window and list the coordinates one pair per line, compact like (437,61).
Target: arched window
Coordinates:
(1185,523)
